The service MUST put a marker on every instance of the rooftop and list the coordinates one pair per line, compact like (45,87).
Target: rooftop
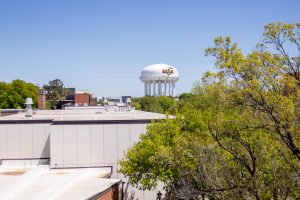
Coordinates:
(94,114)
(20,179)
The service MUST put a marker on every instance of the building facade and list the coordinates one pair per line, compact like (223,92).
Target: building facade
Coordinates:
(72,139)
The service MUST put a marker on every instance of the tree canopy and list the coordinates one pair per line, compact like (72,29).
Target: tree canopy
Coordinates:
(13,95)
(56,92)
(238,135)
(161,104)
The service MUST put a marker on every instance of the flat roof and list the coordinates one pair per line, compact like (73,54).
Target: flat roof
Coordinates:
(84,115)
(41,182)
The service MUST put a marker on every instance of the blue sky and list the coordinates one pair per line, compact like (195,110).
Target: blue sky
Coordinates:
(101,46)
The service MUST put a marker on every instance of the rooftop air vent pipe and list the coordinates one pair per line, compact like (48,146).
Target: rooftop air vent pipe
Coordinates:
(28,103)
(128,101)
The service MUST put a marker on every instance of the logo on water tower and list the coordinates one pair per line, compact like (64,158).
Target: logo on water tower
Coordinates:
(168,71)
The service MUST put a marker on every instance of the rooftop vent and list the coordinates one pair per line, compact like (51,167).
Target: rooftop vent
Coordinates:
(28,111)
(128,101)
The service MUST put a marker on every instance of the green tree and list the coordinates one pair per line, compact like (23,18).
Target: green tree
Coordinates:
(237,137)
(213,151)
(266,82)
(136,105)
(165,103)
(185,96)
(56,92)
(101,101)
(149,104)
(13,95)
(161,104)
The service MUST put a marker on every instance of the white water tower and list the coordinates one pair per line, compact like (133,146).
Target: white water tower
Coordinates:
(159,80)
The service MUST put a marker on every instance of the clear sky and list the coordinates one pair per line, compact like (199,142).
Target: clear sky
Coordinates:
(102,46)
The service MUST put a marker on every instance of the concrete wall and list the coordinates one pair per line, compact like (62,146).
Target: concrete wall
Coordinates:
(24,141)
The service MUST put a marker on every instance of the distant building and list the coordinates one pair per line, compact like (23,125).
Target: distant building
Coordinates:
(78,98)
(124,98)
(117,100)
(113,100)
(94,101)
(83,98)
(71,95)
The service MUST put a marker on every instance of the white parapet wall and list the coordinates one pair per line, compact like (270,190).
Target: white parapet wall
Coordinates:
(24,141)
(90,145)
